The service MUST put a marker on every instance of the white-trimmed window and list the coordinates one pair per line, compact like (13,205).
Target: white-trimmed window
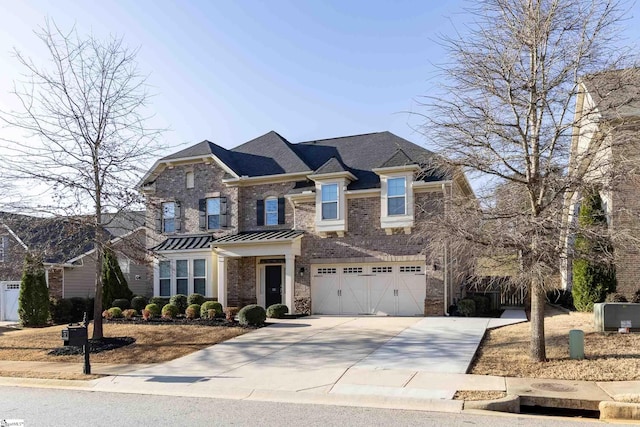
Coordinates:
(169,217)
(200,276)
(213,213)
(329,201)
(271,211)
(397,196)
(182,277)
(164,275)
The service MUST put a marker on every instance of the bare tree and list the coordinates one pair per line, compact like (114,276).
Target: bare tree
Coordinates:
(83,118)
(504,114)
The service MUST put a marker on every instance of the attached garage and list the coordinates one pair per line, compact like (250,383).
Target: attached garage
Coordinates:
(9,301)
(388,289)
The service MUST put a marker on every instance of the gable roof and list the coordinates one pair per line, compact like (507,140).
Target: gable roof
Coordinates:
(616,93)
(269,154)
(333,165)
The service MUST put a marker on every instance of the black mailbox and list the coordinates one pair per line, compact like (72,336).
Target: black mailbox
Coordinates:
(75,335)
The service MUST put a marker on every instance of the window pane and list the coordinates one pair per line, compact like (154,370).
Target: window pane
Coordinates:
(330,193)
(169,225)
(330,210)
(395,187)
(168,210)
(182,268)
(199,286)
(213,206)
(165,269)
(199,268)
(271,209)
(190,180)
(182,286)
(165,287)
(396,206)
(213,222)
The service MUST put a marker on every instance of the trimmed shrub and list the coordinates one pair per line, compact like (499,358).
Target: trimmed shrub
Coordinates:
(154,309)
(616,298)
(210,314)
(78,307)
(467,307)
(159,301)
(115,312)
(210,305)
(33,299)
(114,284)
(483,304)
(106,314)
(252,315)
(277,311)
(193,311)
(195,299)
(138,303)
(121,303)
(230,313)
(146,314)
(636,297)
(180,301)
(61,310)
(169,311)
(129,313)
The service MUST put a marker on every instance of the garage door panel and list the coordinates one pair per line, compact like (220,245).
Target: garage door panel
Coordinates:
(325,293)
(381,294)
(412,292)
(354,294)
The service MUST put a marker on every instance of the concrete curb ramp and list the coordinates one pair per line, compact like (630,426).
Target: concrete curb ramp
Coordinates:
(510,403)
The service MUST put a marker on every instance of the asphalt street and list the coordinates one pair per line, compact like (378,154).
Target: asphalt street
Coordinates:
(59,408)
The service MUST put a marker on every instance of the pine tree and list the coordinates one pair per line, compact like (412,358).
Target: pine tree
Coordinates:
(593,275)
(33,301)
(114,284)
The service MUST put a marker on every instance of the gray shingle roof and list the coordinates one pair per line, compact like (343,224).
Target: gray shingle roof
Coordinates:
(269,154)
(332,165)
(399,158)
(616,92)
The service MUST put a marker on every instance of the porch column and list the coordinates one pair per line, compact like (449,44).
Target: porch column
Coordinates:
(222,280)
(289,279)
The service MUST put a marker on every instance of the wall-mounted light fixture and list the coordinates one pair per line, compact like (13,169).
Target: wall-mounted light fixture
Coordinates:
(301,271)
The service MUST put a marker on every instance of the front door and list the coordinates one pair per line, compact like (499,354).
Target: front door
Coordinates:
(273,284)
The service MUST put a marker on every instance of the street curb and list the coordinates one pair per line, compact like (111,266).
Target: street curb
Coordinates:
(611,410)
(46,383)
(509,403)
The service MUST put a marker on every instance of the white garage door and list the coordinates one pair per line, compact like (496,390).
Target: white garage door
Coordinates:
(9,306)
(392,289)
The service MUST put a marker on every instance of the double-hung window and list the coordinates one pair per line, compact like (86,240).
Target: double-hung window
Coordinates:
(329,201)
(165,278)
(271,211)
(213,213)
(168,217)
(182,276)
(396,196)
(200,276)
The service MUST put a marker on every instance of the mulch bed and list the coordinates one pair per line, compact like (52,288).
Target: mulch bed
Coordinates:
(218,321)
(95,346)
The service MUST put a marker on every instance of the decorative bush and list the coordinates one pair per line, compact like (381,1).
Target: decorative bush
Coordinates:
(636,297)
(252,315)
(180,301)
(467,307)
(277,311)
(153,309)
(169,311)
(114,284)
(231,312)
(138,303)
(33,299)
(121,303)
(616,298)
(61,310)
(210,305)
(106,314)
(129,313)
(193,311)
(146,314)
(483,304)
(78,307)
(159,301)
(210,314)
(115,312)
(195,299)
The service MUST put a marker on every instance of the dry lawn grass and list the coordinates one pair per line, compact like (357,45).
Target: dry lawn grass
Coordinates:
(478,395)
(611,357)
(154,343)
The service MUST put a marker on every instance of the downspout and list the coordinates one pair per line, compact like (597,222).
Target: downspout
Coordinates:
(446,263)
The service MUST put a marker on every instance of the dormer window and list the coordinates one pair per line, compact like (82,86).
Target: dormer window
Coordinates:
(329,201)
(396,196)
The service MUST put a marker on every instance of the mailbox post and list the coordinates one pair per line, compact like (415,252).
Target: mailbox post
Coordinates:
(77,336)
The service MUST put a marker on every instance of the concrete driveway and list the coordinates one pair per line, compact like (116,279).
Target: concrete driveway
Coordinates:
(324,355)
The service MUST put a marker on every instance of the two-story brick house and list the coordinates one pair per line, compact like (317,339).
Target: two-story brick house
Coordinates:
(331,226)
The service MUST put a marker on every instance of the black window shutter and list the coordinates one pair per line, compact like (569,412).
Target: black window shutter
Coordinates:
(224,216)
(202,208)
(178,219)
(159,219)
(260,211)
(281,210)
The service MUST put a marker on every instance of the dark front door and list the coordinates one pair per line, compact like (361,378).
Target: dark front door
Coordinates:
(273,284)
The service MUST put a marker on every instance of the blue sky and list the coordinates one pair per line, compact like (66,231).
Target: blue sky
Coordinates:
(229,71)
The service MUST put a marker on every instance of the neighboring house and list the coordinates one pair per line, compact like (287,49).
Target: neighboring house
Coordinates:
(66,247)
(333,226)
(606,145)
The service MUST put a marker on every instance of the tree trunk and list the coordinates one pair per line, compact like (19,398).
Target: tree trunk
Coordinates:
(538,301)
(97,303)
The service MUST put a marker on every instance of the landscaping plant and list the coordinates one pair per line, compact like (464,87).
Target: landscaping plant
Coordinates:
(114,284)
(193,311)
(210,305)
(138,303)
(252,315)
(180,301)
(277,311)
(170,311)
(195,299)
(153,309)
(33,301)
(121,303)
